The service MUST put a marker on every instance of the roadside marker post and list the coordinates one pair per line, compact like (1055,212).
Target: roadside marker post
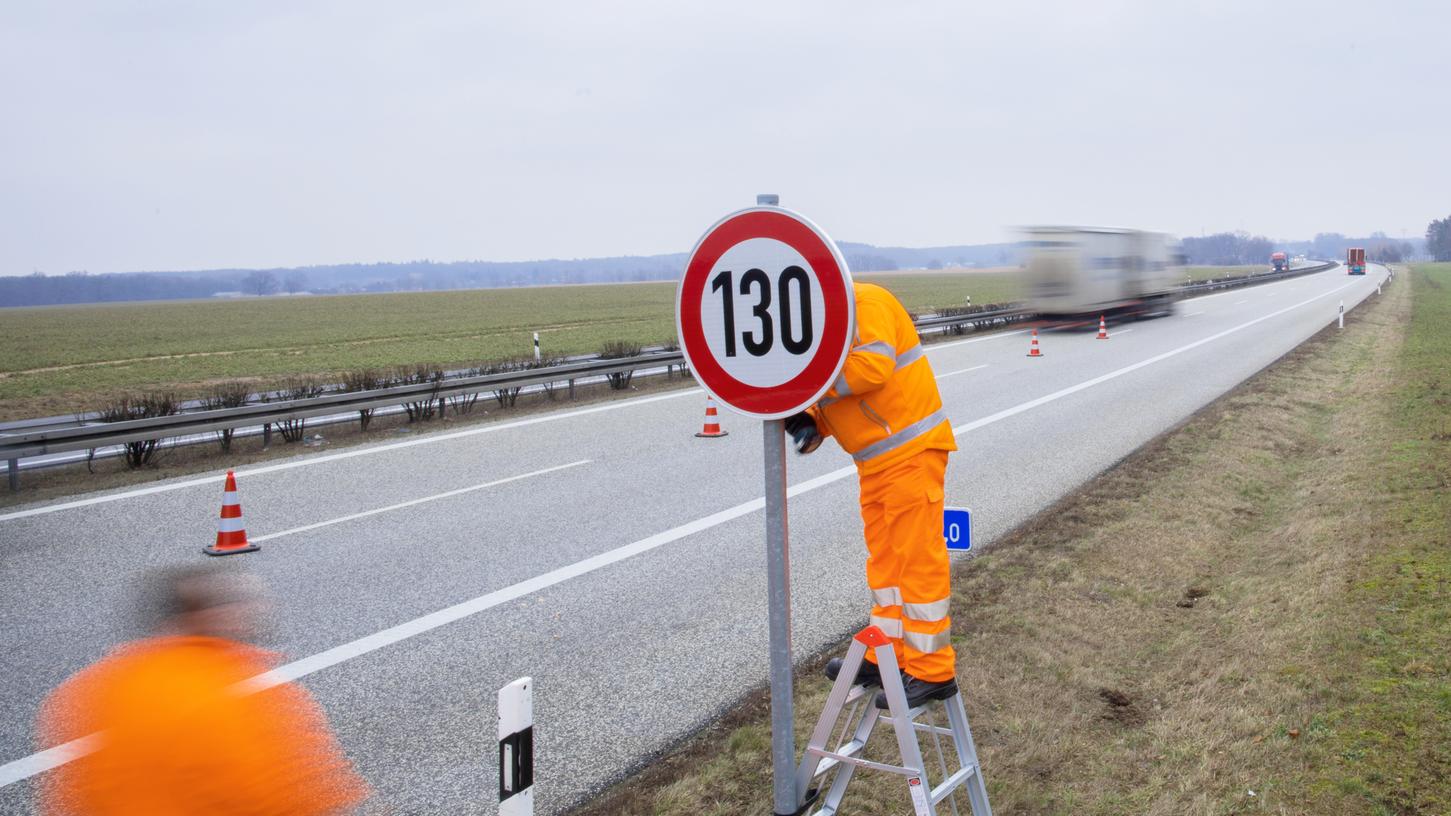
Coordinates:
(1341,314)
(765,314)
(516,748)
(957,528)
(536,347)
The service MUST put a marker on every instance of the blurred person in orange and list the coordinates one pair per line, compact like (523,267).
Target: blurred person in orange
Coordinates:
(179,730)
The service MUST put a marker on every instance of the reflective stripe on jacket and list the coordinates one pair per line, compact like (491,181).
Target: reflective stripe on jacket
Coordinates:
(884,406)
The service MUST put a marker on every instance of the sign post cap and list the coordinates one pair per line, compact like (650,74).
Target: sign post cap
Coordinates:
(768,200)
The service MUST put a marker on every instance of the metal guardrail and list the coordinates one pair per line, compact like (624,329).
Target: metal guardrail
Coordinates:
(53,439)
(1267,277)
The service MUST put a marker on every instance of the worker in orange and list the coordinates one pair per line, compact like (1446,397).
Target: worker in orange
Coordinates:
(885,411)
(170,724)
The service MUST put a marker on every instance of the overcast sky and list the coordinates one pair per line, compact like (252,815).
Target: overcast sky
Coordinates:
(186,135)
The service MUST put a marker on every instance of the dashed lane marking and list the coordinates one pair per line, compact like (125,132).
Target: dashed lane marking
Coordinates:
(414,502)
(944,375)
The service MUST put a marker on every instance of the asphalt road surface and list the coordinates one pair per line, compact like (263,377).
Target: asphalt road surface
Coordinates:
(605,551)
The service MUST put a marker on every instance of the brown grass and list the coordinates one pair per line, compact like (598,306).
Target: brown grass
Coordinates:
(1161,642)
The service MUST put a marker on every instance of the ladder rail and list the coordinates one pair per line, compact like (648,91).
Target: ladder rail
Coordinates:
(835,701)
(862,734)
(948,785)
(818,761)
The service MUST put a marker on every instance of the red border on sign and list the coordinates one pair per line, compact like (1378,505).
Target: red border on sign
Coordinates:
(804,388)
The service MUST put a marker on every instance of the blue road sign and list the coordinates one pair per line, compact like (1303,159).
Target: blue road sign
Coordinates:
(957,528)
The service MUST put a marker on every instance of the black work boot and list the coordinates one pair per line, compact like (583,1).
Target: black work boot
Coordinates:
(868,675)
(920,691)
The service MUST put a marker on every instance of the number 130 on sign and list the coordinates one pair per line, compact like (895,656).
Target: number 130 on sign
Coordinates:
(765,312)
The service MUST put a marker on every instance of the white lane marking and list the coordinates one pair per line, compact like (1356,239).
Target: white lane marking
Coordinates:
(994,336)
(1193,314)
(1237,302)
(412,502)
(1117,332)
(947,374)
(53,757)
(347,454)
(26,767)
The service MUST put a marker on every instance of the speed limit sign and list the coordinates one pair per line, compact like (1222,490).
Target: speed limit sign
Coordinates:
(765,312)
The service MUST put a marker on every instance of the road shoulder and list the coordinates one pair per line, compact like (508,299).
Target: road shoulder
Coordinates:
(1240,616)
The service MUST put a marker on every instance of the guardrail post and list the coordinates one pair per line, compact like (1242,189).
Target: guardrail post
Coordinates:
(571,388)
(266,434)
(14,473)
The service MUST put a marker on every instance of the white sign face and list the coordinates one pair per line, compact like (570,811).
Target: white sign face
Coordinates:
(765,312)
(761,312)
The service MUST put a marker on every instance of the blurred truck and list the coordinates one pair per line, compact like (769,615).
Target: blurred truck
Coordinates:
(1355,261)
(1078,273)
(1281,263)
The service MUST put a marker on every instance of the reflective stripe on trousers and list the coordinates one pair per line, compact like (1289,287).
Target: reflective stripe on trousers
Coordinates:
(907,564)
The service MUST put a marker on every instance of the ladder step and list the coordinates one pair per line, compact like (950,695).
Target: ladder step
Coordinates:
(950,784)
(829,761)
(843,759)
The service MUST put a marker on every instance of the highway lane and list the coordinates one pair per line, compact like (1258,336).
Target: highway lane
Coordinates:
(641,649)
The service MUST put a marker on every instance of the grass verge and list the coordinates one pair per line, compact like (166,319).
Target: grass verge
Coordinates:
(1248,615)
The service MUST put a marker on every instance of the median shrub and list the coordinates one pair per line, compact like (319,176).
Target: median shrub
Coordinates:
(423,404)
(140,406)
(506,395)
(615,350)
(295,388)
(365,380)
(231,394)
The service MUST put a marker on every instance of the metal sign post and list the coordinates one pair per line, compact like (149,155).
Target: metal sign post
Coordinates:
(765,313)
(778,597)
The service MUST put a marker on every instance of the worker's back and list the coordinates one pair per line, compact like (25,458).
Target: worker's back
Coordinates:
(885,406)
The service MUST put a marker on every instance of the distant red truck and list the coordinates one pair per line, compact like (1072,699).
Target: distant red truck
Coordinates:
(1355,261)
(1280,261)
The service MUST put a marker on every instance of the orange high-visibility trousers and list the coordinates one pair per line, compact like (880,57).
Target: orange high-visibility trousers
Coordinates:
(908,569)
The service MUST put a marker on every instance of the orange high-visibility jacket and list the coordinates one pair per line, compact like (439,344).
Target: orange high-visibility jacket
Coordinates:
(176,737)
(884,406)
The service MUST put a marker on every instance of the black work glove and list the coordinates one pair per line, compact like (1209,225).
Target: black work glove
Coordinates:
(804,434)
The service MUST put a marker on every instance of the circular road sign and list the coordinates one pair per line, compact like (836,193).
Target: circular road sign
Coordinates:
(765,312)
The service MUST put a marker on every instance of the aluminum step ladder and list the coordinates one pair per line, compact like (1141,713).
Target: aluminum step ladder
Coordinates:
(819,762)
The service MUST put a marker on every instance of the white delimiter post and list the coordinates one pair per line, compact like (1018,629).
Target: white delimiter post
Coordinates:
(536,347)
(1341,315)
(784,796)
(516,748)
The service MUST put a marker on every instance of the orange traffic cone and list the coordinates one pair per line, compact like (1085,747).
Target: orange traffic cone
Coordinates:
(1033,346)
(231,536)
(712,424)
(1102,329)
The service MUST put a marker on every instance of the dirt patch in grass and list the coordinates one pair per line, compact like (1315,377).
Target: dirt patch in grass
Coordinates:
(1191,633)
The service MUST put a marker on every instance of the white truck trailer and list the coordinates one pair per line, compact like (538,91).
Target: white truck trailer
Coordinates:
(1079,273)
